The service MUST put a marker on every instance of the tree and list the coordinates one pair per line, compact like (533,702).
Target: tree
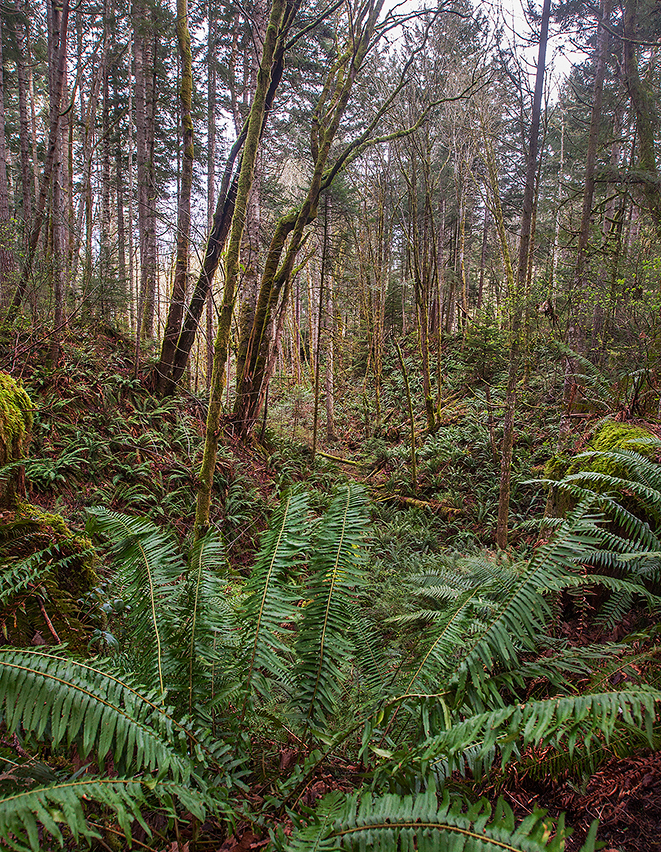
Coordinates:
(281,17)
(178,299)
(517,291)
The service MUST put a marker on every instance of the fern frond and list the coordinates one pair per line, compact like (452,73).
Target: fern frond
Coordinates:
(204,621)
(270,595)
(24,575)
(149,566)
(368,647)
(24,812)
(323,641)
(391,823)
(575,723)
(78,702)
(522,612)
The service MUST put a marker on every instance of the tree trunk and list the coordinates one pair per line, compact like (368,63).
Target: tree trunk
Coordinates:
(222,221)
(144,109)
(183,216)
(51,152)
(593,138)
(27,175)
(644,109)
(248,160)
(6,231)
(525,249)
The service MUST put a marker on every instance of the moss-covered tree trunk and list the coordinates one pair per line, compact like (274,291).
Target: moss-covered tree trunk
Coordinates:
(644,108)
(246,175)
(178,300)
(290,230)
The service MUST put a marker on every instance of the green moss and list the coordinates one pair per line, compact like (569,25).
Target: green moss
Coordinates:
(611,437)
(69,576)
(623,436)
(614,437)
(556,467)
(15,419)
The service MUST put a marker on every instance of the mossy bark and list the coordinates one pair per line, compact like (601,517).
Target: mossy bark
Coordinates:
(176,312)
(15,426)
(246,176)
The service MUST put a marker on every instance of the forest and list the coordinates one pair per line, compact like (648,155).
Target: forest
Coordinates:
(330,425)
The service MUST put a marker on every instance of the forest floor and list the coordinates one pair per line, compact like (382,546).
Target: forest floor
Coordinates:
(101,439)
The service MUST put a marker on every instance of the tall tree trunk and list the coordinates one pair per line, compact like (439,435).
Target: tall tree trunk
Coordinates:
(644,108)
(183,215)
(51,152)
(593,139)
(211,171)
(143,50)
(330,360)
(248,160)
(27,175)
(222,221)
(525,248)
(6,232)
(57,90)
(290,230)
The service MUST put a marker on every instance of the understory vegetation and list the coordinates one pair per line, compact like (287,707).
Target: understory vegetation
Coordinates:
(330,443)
(338,662)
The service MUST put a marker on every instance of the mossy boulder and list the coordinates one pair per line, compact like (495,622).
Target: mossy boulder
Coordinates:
(612,436)
(15,427)
(47,579)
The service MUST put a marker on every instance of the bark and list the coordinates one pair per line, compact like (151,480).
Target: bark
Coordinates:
(246,174)
(49,164)
(290,230)
(6,231)
(222,220)
(317,363)
(642,104)
(330,359)
(525,250)
(211,174)
(593,138)
(575,322)
(183,215)
(27,175)
(143,54)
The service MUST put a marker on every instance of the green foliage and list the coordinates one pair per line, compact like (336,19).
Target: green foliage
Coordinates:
(94,707)
(270,597)
(391,822)
(324,639)
(25,813)
(189,697)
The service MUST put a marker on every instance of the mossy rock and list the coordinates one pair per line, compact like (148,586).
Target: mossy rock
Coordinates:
(612,436)
(15,427)
(47,572)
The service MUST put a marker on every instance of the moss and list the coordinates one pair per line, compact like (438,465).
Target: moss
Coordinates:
(623,436)
(556,467)
(611,437)
(15,419)
(68,577)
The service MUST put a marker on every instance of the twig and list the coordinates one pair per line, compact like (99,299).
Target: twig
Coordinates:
(49,623)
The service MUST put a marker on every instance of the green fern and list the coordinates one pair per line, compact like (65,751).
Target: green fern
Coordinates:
(149,567)
(324,641)
(270,596)
(391,823)
(88,704)
(26,812)
(577,723)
